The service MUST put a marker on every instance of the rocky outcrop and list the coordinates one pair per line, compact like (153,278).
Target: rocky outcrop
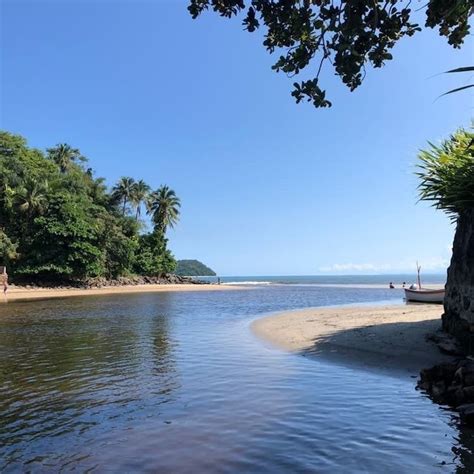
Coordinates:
(168,279)
(447,344)
(452,384)
(458,317)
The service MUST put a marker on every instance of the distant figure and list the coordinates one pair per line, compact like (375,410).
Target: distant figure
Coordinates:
(413,286)
(218,281)
(403,284)
(4,280)
(391,286)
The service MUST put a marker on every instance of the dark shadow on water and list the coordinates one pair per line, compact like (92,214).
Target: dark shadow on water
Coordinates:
(463,451)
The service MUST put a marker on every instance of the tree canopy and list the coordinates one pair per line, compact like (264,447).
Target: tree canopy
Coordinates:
(349,34)
(59,222)
(164,206)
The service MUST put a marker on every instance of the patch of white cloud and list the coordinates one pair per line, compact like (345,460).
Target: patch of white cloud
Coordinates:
(433,264)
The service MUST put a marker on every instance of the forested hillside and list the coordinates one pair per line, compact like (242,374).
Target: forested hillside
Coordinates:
(59,222)
(193,268)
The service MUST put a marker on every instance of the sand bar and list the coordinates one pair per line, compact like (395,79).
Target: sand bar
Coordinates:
(15,294)
(432,286)
(391,337)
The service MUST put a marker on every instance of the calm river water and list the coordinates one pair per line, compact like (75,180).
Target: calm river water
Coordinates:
(176,382)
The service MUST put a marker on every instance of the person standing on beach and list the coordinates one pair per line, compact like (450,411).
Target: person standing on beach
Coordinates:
(4,280)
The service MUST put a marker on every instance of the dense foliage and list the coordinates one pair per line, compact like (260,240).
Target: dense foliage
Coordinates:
(59,222)
(346,33)
(193,268)
(447,174)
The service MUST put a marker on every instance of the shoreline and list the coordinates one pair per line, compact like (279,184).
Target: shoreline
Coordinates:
(432,286)
(373,286)
(26,294)
(388,338)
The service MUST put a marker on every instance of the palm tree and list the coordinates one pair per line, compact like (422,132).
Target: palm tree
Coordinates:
(139,195)
(31,199)
(123,191)
(98,190)
(64,156)
(164,207)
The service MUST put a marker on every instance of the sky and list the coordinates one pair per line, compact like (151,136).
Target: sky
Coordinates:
(268,187)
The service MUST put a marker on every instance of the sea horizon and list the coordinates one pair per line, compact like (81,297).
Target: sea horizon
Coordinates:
(369,279)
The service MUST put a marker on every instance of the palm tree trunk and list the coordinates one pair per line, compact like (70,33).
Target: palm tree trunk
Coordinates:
(124,206)
(458,317)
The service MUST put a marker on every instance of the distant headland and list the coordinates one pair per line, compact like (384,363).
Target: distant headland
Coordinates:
(193,268)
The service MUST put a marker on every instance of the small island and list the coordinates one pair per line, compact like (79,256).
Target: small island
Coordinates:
(193,268)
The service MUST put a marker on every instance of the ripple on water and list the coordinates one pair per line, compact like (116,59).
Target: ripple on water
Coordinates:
(175,382)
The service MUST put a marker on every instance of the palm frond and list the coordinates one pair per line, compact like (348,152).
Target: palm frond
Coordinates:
(461,69)
(447,174)
(458,89)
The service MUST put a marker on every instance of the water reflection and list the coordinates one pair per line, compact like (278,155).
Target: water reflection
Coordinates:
(176,382)
(70,369)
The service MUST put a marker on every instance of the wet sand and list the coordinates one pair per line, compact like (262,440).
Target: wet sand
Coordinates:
(386,338)
(15,294)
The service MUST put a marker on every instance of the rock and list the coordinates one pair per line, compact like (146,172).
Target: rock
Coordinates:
(459,375)
(468,393)
(452,384)
(100,282)
(466,412)
(438,390)
(426,386)
(449,347)
(458,317)
(469,367)
(455,396)
(446,343)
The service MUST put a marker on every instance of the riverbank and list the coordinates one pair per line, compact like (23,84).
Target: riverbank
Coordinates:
(391,337)
(16,294)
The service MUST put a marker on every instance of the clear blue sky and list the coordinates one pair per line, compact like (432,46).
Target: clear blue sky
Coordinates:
(267,186)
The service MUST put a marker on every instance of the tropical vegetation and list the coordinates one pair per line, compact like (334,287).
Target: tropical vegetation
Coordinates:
(447,174)
(59,222)
(193,268)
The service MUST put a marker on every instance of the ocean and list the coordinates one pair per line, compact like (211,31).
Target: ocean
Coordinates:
(384,280)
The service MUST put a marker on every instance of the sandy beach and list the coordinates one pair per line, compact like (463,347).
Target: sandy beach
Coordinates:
(16,294)
(379,337)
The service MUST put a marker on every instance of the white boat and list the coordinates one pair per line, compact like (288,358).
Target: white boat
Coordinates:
(425,295)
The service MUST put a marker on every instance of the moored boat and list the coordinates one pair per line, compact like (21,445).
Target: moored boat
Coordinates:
(425,295)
